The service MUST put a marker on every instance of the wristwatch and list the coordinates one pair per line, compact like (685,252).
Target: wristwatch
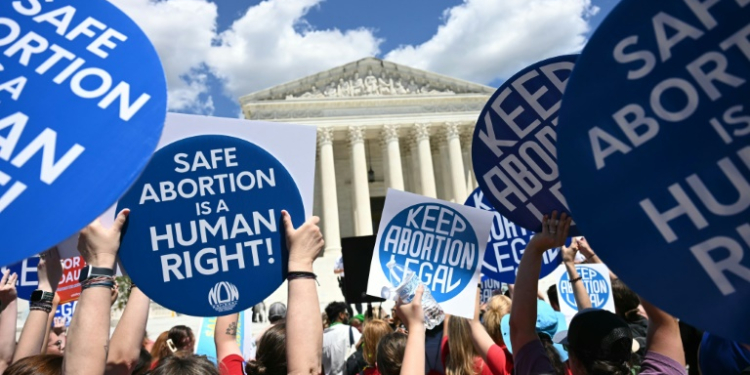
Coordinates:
(90,272)
(41,296)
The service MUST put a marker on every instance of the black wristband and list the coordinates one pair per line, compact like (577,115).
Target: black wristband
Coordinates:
(574,280)
(302,275)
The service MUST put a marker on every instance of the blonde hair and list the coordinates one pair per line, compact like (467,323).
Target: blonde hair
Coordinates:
(374,330)
(460,360)
(497,307)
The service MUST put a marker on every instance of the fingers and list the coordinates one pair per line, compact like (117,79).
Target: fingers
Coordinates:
(13,279)
(287,219)
(6,275)
(545,224)
(418,295)
(120,220)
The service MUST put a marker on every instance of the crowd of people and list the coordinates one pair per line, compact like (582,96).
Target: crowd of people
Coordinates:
(514,333)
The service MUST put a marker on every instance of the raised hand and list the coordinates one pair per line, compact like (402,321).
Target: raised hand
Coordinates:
(98,245)
(584,247)
(554,233)
(411,314)
(49,270)
(569,252)
(8,292)
(304,243)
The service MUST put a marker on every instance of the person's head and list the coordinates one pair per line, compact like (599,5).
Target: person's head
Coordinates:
(337,312)
(56,343)
(548,324)
(46,364)
(626,301)
(160,346)
(270,359)
(390,354)
(462,353)
(144,363)
(357,321)
(182,338)
(598,342)
(497,307)
(552,296)
(324,318)
(373,332)
(185,363)
(276,313)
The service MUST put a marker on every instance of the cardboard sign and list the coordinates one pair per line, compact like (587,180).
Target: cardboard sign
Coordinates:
(65,311)
(205,344)
(82,103)
(595,277)
(357,254)
(514,148)
(206,218)
(490,287)
(69,289)
(507,244)
(654,155)
(442,242)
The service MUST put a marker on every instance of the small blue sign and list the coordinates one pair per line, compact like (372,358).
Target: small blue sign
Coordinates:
(205,235)
(514,150)
(489,288)
(596,284)
(507,244)
(654,155)
(65,311)
(436,242)
(28,279)
(83,99)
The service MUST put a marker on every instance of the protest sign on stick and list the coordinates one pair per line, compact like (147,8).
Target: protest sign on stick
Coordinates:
(82,104)
(442,242)
(654,156)
(514,150)
(204,236)
(595,278)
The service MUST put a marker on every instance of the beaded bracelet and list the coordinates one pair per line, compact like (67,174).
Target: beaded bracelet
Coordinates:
(98,282)
(41,306)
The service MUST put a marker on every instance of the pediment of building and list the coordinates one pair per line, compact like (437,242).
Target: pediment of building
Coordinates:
(367,78)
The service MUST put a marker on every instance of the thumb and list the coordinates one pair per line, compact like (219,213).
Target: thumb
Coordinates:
(120,220)
(418,294)
(287,219)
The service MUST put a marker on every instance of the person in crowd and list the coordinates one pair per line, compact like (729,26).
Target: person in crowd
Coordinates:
(458,353)
(277,312)
(414,354)
(487,337)
(626,307)
(259,312)
(44,364)
(433,344)
(159,346)
(339,339)
(598,341)
(338,269)
(552,297)
(184,363)
(144,363)
(179,338)
(357,321)
(391,354)
(363,361)
(56,342)
(720,356)
(294,346)
(8,316)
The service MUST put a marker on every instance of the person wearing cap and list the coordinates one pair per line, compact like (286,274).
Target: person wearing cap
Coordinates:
(598,342)
(276,312)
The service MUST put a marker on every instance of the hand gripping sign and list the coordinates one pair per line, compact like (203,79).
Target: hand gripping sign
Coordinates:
(82,105)
(507,244)
(442,242)
(204,236)
(655,158)
(514,147)
(595,278)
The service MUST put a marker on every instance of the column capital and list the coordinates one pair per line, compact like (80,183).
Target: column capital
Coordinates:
(422,131)
(356,134)
(466,138)
(452,130)
(325,136)
(390,133)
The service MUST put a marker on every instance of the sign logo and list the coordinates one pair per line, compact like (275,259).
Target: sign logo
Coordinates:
(99,114)
(223,296)
(514,150)
(658,175)
(506,245)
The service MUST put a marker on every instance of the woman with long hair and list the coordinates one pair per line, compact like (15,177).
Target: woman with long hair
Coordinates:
(159,345)
(459,354)
(179,338)
(373,332)
(45,364)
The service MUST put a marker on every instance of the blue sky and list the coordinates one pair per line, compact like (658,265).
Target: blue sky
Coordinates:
(218,50)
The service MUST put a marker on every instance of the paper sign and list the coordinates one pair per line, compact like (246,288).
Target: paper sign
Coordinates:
(442,242)
(489,288)
(595,277)
(206,218)
(65,311)
(507,244)
(82,103)
(69,289)
(514,148)
(654,157)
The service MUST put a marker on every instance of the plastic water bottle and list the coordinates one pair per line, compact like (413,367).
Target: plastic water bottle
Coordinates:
(433,313)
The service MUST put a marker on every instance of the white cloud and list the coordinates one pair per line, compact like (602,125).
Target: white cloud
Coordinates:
(272,44)
(181,31)
(483,40)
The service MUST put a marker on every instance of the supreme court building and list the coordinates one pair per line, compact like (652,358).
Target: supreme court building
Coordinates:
(380,125)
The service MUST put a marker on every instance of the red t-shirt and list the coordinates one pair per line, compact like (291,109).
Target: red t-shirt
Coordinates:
(371,371)
(232,365)
(496,356)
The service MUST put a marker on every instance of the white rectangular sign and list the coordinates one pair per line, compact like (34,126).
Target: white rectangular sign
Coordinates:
(595,277)
(442,242)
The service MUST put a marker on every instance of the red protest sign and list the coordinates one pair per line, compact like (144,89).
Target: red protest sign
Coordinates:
(69,288)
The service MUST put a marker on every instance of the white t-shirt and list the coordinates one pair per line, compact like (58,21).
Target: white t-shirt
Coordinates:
(336,347)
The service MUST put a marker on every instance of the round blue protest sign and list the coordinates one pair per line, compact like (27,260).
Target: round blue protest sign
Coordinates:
(82,104)
(205,236)
(435,241)
(514,146)
(654,156)
(490,287)
(596,284)
(506,245)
